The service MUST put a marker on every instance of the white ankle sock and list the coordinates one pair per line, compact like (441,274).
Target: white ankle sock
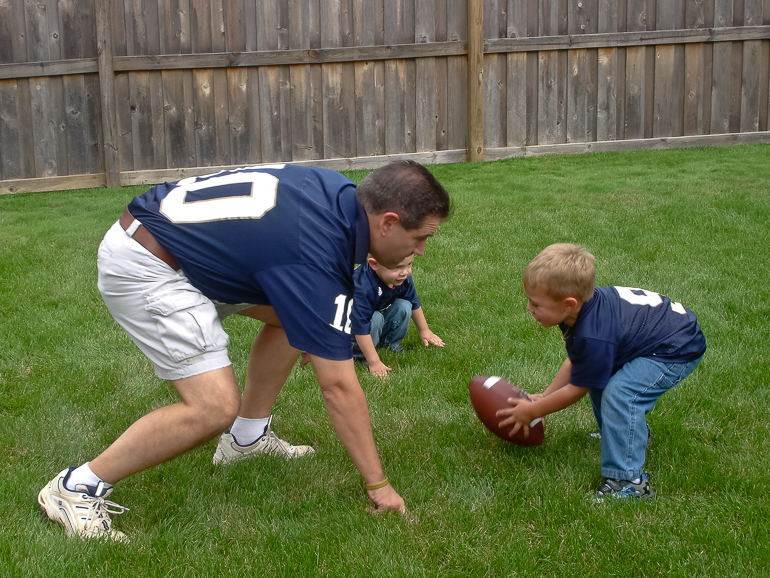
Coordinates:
(82,475)
(246,431)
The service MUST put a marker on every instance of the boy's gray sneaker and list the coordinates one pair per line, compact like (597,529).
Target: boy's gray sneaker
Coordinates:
(397,348)
(83,513)
(623,489)
(229,450)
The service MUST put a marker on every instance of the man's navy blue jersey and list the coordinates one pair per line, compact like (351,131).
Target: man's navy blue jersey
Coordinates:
(619,324)
(372,294)
(282,235)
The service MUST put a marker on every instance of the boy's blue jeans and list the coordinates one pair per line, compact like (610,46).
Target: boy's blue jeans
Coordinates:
(621,407)
(390,326)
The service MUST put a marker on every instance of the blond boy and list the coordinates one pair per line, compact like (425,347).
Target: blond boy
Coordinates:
(625,348)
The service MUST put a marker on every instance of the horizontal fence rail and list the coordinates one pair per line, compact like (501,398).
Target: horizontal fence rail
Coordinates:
(95,93)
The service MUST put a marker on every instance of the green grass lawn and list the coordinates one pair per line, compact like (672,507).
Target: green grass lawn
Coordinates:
(693,224)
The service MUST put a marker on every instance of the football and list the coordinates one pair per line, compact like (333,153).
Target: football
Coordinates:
(491,393)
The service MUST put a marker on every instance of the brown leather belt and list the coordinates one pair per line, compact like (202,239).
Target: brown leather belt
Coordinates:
(146,240)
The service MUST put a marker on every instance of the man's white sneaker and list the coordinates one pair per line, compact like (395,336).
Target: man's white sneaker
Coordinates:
(229,450)
(84,513)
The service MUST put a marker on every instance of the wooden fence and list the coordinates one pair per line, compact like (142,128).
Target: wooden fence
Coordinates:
(98,92)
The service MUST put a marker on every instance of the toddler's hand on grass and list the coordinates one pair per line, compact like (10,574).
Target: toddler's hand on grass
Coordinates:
(379,369)
(430,338)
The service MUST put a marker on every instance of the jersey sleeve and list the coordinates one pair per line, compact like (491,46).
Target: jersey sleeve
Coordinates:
(314,307)
(592,362)
(363,304)
(411,293)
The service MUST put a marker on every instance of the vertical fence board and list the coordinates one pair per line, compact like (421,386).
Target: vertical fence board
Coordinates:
(205,136)
(425,94)
(735,86)
(272,80)
(608,75)
(581,96)
(36,31)
(723,13)
(441,104)
(179,121)
(764,87)
(517,19)
(222,117)
(750,89)
(457,22)
(200,23)
(174,27)
(306,84)
(669,89)
(255,121)
(16,143)
(370,108)
(695,14)
(76,120)
(607,95)
(697,90)
(400,109)
(495,100)
(12,42)
(339,110)
(457,102)
(425,21)
(123,117)
(94,125)
(146,89)
(720,92)
(426,117)
(238,116)
(43,127)
(516,134)
(670,14)
(234,21)
(69,26)
(635,89)
(142,28)
(547,98)
(307,112)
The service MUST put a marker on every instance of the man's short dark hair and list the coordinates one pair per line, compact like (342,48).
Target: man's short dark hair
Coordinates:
(406,188)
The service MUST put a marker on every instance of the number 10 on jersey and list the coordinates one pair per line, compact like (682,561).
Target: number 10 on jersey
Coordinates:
(341,312)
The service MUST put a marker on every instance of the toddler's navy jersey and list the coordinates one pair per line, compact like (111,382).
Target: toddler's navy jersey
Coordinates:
(372,294)
(282,235)
(619,324)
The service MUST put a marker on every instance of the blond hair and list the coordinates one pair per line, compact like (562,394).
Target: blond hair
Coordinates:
(564,270)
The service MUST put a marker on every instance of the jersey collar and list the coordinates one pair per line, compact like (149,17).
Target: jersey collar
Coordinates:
(362,234)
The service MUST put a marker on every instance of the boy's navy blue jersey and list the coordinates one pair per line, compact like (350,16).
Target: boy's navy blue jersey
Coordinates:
(281,235)
(372,294)
(619,324)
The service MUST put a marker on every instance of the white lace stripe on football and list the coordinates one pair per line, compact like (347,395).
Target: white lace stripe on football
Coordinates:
(535,421)
(490,381)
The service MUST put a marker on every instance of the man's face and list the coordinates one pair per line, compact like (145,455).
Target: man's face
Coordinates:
(396,275)
(391,243)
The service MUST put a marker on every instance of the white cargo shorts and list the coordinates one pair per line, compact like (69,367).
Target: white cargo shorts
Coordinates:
(173,324)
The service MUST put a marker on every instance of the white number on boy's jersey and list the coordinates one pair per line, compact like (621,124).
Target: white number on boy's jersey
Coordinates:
(340,303)
(261,198)
(642,297)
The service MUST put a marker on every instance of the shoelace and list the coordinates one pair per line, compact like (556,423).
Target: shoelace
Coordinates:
(283,446)
(97,507)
